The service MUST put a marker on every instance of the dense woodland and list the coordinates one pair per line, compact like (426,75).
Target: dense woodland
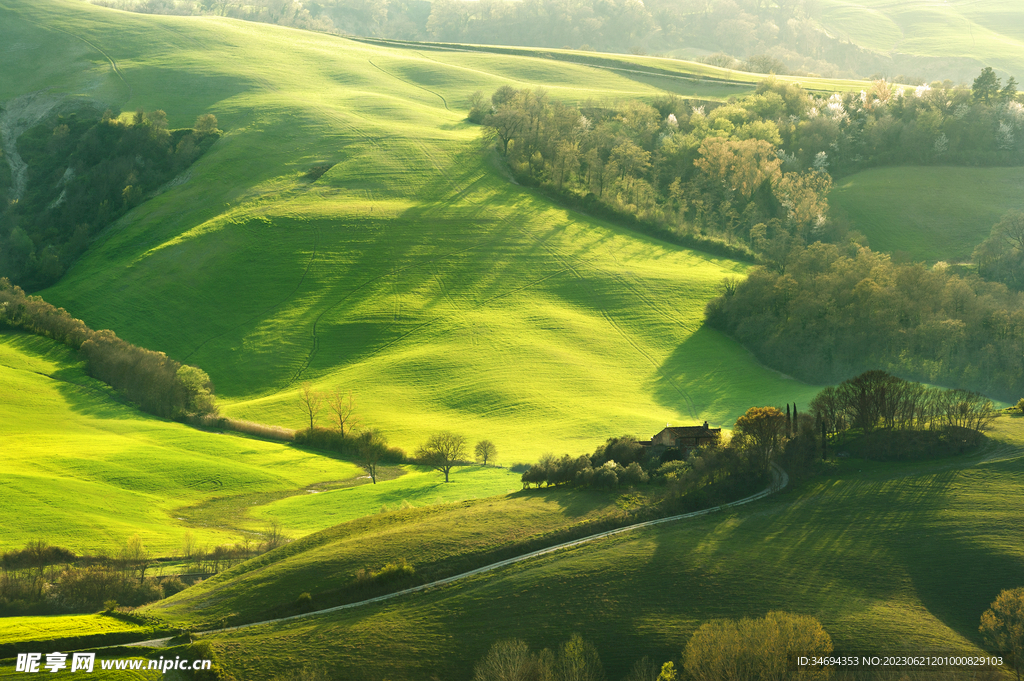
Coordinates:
(85,170)
(754,35)
(752,177)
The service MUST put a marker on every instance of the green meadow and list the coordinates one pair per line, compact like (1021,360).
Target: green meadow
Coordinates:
(16,629)
(990,32)
(928,213)
(413,273)
(84,471)
(890,557)
(438,541)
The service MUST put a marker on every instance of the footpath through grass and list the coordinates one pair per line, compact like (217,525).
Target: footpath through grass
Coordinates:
(890,557)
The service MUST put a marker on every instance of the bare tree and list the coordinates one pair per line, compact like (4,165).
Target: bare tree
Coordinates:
(508,660)
(443,451)
(485,451)
(371,446)
(312,403)
(344,406)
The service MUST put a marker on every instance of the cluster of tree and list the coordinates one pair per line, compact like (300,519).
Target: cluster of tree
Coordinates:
(699,475)
(45,578)
(900,419)
(823,313)
(512,660)
(720,650)
(85,171)
(754,172)
(151,380)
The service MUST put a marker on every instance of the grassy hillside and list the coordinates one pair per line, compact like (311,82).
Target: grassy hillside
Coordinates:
(991,31)
(930,213)
(85,471)
(889,557)
(439,541)
(413,272)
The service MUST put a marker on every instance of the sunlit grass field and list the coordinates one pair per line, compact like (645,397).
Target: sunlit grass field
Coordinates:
(13,629)
(84,471)
(928,213)
(413,273)
(890,557)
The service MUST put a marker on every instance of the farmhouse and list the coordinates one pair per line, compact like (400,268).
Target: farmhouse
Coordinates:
(684,437)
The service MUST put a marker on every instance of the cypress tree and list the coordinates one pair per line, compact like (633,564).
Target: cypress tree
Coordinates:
(824,442)
(789,422)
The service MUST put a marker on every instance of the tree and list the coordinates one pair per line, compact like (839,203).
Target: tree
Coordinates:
(371,447)
(578,661)
(312,403)
(508,660)
(485,451)
(195,391)
(1002,625)
(755,649)
(763,429)
(344,406)
(986,85)
(443,451)
(206,124)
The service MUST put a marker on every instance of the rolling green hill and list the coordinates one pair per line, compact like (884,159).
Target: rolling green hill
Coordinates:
(890,557)
(929,213)
(413,272)
(991,32)
(85,471)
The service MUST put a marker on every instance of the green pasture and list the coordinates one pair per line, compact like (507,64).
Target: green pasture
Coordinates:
(438,540)
(419,486)
(928,213)
(107,471)
(890,558)
(14,629)
(989,32)
(85,471)
(413,273)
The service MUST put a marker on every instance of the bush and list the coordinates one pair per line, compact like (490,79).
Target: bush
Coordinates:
(304,602)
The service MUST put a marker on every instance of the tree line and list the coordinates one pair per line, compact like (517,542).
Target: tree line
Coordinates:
(42,578)
(748,649)
(754,172)
(151,380)
(86,170)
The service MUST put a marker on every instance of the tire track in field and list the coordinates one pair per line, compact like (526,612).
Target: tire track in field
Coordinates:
(263,313)
(113,64)
(779,481)
(690,404)
(407,82)
(371,280)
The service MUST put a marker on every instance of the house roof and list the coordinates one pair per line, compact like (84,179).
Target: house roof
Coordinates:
(692,431)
